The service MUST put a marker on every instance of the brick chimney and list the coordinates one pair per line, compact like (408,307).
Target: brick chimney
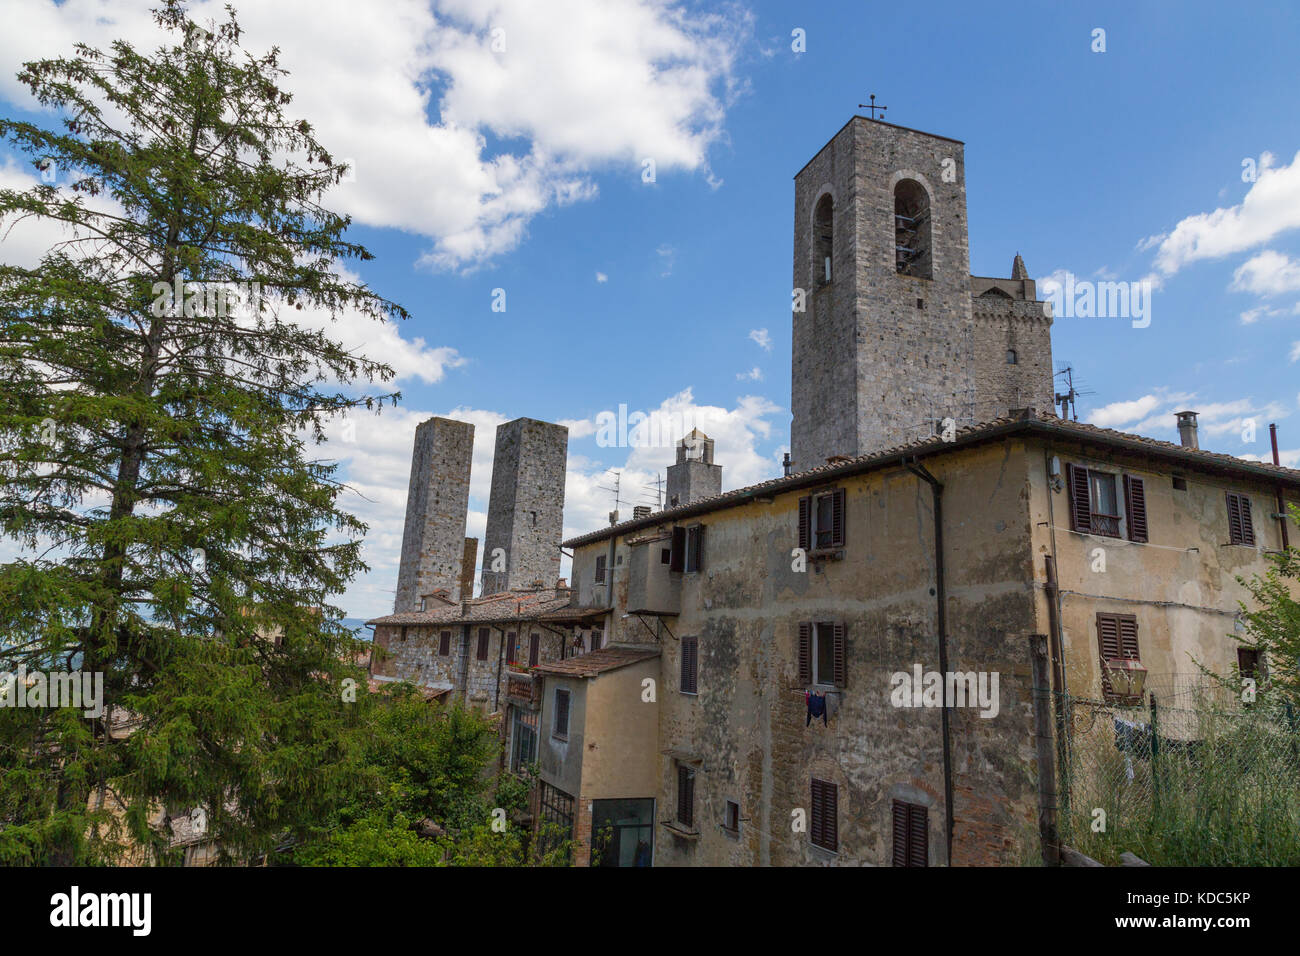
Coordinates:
(1187,429)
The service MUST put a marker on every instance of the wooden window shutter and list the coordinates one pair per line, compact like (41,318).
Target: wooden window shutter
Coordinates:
(1241,529)
(484,637)
(1128,636)
(824,825)
(533,648)
(805,522)
(444,643)
(911,834)
(677,557)
(690,664)
(697,548)
(510,647)
(805,652)
(918,836)
(1116,640)
(838,658)
(837,518)
(685,796)
(600,569)
(1135,504)
(1247,523)
(1076,480)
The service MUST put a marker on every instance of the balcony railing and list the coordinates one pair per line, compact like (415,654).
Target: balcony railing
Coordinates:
(1105,524)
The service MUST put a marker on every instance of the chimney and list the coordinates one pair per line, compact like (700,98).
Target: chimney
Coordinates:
(785,465)
(1187,429)
(640,511)
(613,518)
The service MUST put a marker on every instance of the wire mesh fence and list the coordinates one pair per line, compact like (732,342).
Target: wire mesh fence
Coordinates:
(1203,780)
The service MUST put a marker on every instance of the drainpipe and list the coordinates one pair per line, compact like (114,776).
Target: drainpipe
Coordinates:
(941,622)
(1281,503)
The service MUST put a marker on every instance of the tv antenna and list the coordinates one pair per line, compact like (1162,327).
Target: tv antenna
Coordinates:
(1066,400)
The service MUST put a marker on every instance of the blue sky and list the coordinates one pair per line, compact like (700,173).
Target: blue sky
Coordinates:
(520,167)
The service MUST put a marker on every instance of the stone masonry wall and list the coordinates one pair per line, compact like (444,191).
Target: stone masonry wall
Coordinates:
(437,503)
(526,507)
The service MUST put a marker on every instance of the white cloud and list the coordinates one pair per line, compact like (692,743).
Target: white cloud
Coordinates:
(1295,351)
(755,374)
(1153,414)
(1268,273)
(1271,207)
(1121,413)
(762,337)
(667,257)
(601,277)
(413,95)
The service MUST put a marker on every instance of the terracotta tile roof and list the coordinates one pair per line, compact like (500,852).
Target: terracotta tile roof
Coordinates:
(598,662)
(1044,425)
(503,606)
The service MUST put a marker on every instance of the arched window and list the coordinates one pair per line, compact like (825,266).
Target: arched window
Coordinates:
(912,230)
(1011,356)
(824,238)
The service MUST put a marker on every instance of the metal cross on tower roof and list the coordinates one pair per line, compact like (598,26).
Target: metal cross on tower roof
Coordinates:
(872,106)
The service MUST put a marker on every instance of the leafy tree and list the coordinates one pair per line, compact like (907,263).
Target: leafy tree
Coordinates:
(421,794)
(155,466)
(1273,625)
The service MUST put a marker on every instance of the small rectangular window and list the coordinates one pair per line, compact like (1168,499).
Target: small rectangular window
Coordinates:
(534,648)
(731,817)
(511,639)
(822,653)
(560,723)
(1248,661)
(1180,483)
(1241,527)
(444,643)
(600,568)
(823,828)
(596,638)
(690,664)
(685,796)
(911,834)
(484,637)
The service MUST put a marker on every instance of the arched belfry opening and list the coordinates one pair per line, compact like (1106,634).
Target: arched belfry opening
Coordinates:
(824,238)
(912,230)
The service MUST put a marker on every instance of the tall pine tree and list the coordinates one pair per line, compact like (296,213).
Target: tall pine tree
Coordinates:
(174,531)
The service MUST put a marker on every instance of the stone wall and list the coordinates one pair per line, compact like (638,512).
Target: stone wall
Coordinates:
(437,503)
(878,354)
(526,507)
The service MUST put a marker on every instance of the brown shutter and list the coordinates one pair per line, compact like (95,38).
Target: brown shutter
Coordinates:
(1241,528)
(900,834)
(600,569)
(911,834)
(677,558)
(1076,480)
(1128,636)
(839,664)
(1135,501)
(484,636)
(697,548)
(444,643)
(685,796)
(510,647)
(805,522)
(1111,629)
(690,664)
(918,835)
(824,826)
(837,518)
(805,652)
(533,640)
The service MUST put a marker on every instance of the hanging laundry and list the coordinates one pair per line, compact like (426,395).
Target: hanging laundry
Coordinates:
(816,708)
